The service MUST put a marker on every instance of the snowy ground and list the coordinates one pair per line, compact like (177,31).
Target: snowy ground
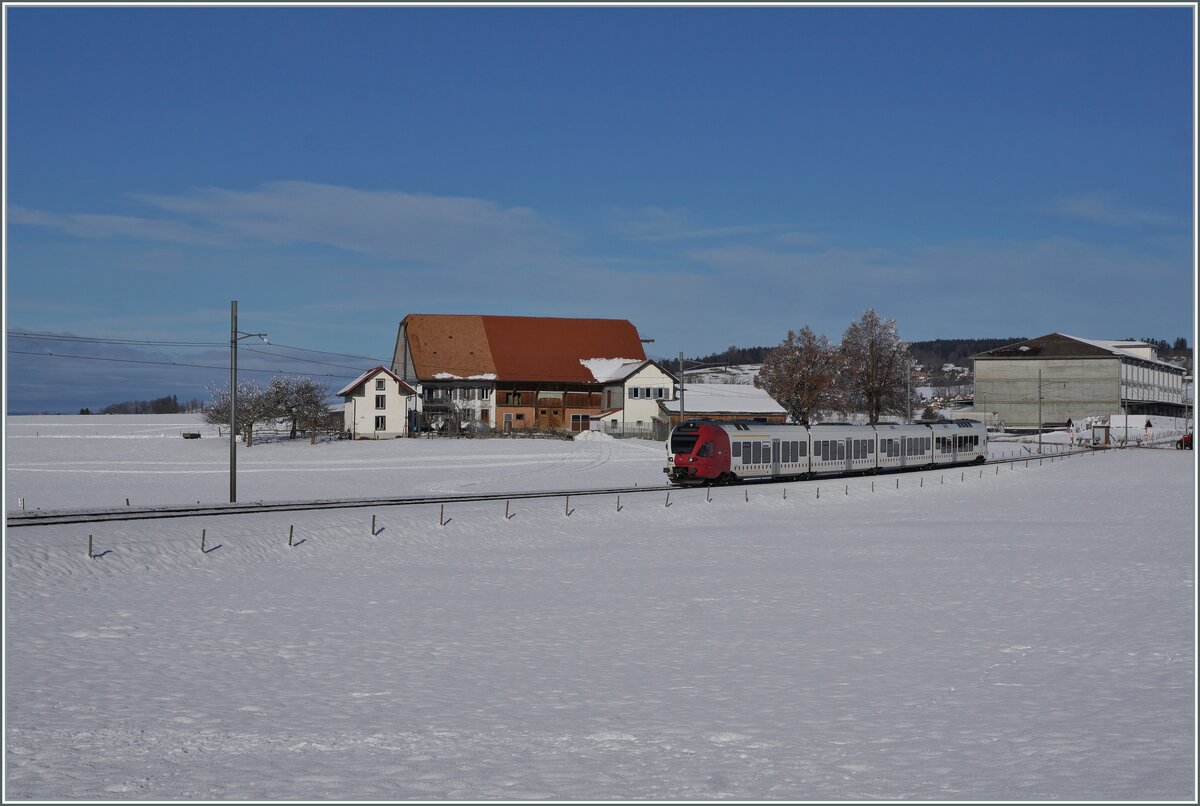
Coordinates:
(1027,634)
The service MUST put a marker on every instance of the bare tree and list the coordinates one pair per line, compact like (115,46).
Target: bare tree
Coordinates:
(801,375)
(300,401)
(875,364)
(254,404)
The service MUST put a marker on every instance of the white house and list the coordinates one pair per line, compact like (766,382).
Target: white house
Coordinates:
(633,388)
(378,405)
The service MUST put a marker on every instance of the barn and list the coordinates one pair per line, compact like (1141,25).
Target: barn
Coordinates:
(515,373)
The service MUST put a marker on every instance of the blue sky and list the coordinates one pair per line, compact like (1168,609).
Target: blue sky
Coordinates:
(717,176)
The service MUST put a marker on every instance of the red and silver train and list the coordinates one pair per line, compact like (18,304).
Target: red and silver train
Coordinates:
(709,452)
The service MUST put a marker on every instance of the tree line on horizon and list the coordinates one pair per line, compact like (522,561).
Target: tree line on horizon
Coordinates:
(168,404)
(929,353)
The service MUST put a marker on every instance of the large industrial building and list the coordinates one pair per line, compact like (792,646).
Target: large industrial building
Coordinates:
(1055,378)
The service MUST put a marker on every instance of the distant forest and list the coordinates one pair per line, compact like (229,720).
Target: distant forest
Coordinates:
(161,405)
(929,353)
(932,354)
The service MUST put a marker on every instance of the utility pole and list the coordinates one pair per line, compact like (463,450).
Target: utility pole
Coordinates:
(235,336)
(1039,411)
(908,394)
(233,401)
(681,388)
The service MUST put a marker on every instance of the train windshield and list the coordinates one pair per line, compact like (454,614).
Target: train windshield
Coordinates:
(683,440)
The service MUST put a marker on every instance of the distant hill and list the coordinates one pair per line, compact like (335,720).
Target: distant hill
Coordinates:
(929,353)
(933,354)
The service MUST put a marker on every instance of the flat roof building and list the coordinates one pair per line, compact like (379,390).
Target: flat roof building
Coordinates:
(1055,378)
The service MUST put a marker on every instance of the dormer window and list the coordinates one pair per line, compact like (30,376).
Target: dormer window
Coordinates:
(380,384)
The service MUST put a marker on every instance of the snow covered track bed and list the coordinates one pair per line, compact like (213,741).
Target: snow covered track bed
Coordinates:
(1024,635)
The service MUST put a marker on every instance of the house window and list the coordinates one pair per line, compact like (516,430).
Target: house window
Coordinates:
(381,423)
(634,391)
(380,384)
(660,393)
(381,401)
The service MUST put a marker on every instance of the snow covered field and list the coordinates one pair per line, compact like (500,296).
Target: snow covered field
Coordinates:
(1027,634)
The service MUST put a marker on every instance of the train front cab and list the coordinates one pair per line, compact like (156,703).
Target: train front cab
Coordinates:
(698,454)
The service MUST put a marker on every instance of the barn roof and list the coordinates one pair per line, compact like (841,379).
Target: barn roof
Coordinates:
(516,348)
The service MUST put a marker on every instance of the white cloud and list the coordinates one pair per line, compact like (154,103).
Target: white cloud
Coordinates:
(419,228)
(439,230)
(652,223)
(1106,208)
(82,225)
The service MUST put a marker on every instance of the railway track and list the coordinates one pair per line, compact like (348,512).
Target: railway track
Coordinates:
(61,517)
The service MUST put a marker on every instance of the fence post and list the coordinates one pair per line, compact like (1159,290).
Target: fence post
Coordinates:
(567,507)
(372,526)
(506,509)
(203,538)
(291,531)
(91,556)
(442,516)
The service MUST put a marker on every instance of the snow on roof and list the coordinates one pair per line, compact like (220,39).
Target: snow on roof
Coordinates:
(1125,347)
(611,369)
(713,398)
(366,376)
(446,376)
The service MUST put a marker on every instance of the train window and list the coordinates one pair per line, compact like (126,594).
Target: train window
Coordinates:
(870,447)
(706,449)
(683,440)
(746,452)
(737,449)
(787,452)
(795,451)
(803,448)
(756,448)
(854,450)
(766,454)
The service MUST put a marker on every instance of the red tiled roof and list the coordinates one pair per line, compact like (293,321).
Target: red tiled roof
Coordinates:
(517,348)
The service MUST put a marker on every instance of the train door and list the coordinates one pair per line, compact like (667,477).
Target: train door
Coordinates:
(775,469)
(849,443)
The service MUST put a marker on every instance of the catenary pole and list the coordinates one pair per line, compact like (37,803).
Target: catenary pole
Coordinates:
(681,409)
(233,401)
